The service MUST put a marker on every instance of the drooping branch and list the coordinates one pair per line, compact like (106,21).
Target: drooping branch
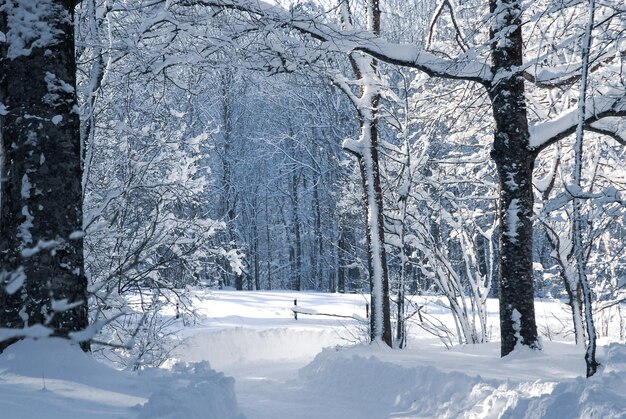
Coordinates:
(333,39)
(614,134)
(611,104)
(566,75)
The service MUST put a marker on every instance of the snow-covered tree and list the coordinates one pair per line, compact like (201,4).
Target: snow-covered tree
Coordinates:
(44,289)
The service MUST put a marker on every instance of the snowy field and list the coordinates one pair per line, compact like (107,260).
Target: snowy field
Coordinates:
(247,357)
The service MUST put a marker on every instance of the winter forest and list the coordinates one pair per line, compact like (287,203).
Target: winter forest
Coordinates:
(231,209)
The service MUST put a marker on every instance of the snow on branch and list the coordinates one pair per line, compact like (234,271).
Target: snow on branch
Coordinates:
(611,127)
(312,312)
(607,196)
(565,74)
(467,66)
(611,103)
(36,331)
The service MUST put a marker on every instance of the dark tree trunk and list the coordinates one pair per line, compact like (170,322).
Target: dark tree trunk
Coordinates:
(268,249)
(239,282)
(296,248)
(41,194)
(514,164)
(257,274)
(318,248)
(297,244)
(342,262)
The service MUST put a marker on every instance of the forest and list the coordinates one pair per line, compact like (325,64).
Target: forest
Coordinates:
(449,167)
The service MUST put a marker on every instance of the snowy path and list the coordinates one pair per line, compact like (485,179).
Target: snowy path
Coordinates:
(277,374)
(271,391)
(268,390)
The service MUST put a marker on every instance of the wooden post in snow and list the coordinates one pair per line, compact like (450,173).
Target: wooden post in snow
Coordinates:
(295,313)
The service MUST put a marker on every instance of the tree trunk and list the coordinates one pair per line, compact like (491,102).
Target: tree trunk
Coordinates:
(514,164)
(41,246)
(297,248)
(257,273)
(268,250)
(577,233)
(366,150)
(380,320)
(318,247)
(342,262)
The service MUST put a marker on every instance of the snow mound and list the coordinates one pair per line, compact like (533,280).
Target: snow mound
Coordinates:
(55,376)
(401,391)
(195,392)
(601,396)
(598,397)
(238,345)
(614,358)
(59,359)
(392,390)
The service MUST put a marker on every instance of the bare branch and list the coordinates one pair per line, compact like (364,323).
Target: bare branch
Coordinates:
(614,134)
(459,37)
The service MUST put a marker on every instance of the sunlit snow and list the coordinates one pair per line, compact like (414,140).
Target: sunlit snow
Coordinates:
(316,367)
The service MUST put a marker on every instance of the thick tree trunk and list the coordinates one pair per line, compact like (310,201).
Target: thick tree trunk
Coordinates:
(517,309)
(41,246)
(514,164)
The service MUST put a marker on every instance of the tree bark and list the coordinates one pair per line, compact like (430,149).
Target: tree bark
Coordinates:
(380,320)
(365,71)
(41,244)
(514,163)
(577,230)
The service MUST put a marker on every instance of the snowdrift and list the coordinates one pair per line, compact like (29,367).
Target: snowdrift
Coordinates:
(244,345)
(391,390)
(53,378)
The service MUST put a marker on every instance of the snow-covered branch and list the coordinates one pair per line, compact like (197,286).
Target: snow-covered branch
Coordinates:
(611,103)
(464,67)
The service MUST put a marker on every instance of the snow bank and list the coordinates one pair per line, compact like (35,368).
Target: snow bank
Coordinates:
(390,390)
(598,397)
(57,378)
(238,345)
(601,396)
(52,359)
(195,391)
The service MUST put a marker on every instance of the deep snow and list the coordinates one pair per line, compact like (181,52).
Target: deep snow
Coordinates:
(279,369)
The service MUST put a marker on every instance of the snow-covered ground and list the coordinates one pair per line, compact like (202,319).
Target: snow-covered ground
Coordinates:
(246,356)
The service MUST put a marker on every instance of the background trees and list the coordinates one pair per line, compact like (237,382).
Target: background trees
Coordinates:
(212,149)
(501,63)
